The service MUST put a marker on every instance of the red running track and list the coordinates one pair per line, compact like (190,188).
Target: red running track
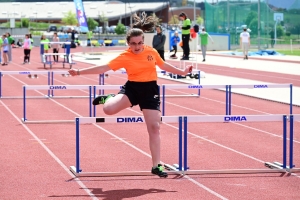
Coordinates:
(37,156)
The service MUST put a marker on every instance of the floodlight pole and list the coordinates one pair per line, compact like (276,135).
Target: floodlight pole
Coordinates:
(258,24)
(275,31)
(228,16)
(195,12)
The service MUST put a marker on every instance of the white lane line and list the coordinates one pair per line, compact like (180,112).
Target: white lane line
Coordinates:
(52,154)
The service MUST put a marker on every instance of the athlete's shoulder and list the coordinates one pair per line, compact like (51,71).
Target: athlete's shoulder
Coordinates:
(149,49)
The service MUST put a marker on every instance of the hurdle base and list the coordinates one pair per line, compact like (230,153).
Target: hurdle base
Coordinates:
(294,170)
(113,174)
(65,97)
(181,95)
(233,171)
(274,165)
(46,121)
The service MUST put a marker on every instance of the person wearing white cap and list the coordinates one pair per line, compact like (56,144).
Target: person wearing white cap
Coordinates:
(174,41)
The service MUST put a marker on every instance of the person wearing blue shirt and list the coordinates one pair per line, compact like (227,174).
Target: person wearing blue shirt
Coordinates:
(175,39)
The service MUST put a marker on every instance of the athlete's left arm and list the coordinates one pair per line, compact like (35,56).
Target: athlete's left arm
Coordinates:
(170,68)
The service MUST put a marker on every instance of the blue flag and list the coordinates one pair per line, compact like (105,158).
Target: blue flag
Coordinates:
(81,16)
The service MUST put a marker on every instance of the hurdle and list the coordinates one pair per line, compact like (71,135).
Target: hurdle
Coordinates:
(191,86)
(77,171)
(102,77)
(228,92)
(64,74)
(67,54)
(53,87)
(28,73)
(261,86)
(273,167)
(183,121)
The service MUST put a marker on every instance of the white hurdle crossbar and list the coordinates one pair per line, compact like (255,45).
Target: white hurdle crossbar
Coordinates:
(183,169)
(54,87)
(2,73)
(227,91)
(102,77)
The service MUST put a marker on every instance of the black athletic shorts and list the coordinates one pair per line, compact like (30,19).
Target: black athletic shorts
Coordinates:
(144,94)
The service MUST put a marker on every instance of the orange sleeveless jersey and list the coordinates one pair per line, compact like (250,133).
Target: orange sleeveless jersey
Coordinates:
(139,67)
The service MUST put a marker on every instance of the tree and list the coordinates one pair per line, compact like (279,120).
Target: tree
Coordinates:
(279,31)
(251,16)
(156,19)
(92,24)
(253,25)
(25,23)
(70,18)
(120,29)
(174,20)
(103,19)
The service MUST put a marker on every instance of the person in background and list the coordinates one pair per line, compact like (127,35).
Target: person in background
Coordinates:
(19,43)
(174,41)
(1,42)
(245,42)
(89,38)
(46,45)
(31,46)
(26,46)
(11,42)
(204,41)
(185,35)
(55,47)
(158,42)
(5,49)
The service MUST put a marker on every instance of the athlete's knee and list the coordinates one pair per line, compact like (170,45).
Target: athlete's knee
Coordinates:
(153,127)
(109,110)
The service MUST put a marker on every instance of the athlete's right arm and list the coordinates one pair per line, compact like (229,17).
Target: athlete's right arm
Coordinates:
(91,70)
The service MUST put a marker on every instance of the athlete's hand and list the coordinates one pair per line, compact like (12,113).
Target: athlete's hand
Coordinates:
(73,72)
(188,69)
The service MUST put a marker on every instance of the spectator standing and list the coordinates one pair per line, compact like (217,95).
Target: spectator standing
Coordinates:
(186,25)
(204,41)
(245,42)
(158,42)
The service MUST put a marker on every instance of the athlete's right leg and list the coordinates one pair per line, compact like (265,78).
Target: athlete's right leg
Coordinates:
(113,104)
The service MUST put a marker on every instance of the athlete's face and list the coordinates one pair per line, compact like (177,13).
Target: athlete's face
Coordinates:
(136,44)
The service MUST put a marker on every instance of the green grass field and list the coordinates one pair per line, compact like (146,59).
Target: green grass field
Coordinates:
(296,52)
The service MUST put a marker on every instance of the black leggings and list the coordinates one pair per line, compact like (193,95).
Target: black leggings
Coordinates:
(186,46)
(26,55)
(55,57)
(174,49)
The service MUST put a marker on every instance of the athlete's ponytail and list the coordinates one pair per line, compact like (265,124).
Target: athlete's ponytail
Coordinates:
(141,25)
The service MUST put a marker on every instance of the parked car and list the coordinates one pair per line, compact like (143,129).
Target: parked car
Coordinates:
(112,29)
(98,30)
(52,28)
